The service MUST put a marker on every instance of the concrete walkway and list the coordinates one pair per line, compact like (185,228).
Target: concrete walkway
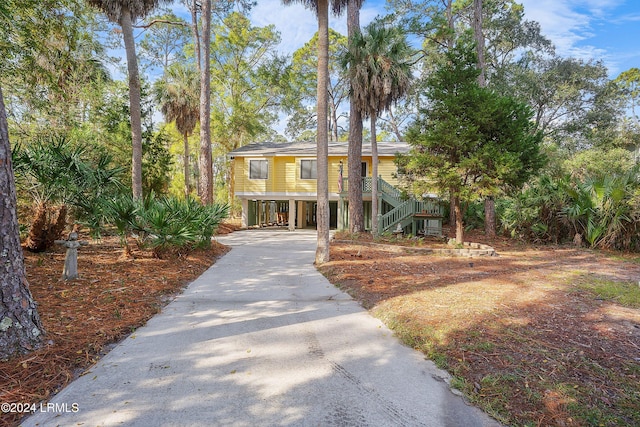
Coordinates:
(261,339)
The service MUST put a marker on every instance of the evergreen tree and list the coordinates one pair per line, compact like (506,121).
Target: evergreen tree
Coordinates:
(471,141)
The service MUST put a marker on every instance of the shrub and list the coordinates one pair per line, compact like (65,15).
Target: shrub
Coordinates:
(166,224)
(61,177)
(603,209)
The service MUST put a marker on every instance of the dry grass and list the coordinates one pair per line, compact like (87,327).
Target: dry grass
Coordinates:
(521,336)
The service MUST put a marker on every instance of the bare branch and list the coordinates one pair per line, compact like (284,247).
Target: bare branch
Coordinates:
(162,21)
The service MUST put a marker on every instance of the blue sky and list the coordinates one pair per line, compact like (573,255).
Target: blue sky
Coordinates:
(607,30)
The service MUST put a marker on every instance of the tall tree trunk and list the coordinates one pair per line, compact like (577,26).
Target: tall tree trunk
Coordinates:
(490,217)
(452,211)
(479,37)
(489,204)
(354,161)
(206,160)
(450,24)
(134,103)
(334,121)
(394,125)
(374,177)
(194,31)
(459,223)
(187,187)
(193,8)
(450,45)
(20,327)
(196,173)
(322,215)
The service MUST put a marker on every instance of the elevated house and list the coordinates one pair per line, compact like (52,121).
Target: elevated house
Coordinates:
(276,184)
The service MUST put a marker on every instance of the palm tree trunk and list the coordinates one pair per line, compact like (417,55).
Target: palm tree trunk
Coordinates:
(187,189)
(20,327)
(206,161)
(374,177)
(354,161)
(134,104)
(196,173)
(322,251)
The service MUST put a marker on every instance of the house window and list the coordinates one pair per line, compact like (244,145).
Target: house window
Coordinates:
(308,169)
(258,169)
(364,169)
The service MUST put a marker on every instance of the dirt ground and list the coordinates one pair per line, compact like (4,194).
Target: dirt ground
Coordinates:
(85,317)
(521,333)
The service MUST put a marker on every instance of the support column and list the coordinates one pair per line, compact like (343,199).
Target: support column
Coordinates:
(245,213)
(259,211)
(301,220)
(292,215)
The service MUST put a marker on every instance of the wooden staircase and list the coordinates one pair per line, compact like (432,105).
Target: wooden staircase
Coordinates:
(411,214)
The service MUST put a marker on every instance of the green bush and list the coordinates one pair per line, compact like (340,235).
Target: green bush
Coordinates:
(534,214)
(54,175)
(473,217)
(165,224)
(604,210)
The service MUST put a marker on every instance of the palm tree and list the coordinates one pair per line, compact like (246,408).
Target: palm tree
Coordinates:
(380,75)
(178,94)
(124,12)
(321,8)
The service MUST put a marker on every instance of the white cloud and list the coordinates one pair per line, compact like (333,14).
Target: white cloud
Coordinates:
(559,22)
(297,24)
(572,26)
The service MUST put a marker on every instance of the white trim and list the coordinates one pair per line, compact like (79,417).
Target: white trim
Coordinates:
(281,195)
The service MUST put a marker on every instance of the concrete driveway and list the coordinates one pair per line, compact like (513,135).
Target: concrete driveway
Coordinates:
(261,339)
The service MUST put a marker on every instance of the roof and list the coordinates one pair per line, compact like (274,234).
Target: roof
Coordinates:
(268,149)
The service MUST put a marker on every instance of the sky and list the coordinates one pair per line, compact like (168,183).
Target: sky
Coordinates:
(606,30)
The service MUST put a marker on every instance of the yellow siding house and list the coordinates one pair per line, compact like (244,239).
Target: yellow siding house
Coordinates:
(276,182)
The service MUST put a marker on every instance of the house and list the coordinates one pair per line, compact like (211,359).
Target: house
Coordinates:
(276,184)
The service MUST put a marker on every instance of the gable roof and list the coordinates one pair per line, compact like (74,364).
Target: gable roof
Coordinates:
(268,149)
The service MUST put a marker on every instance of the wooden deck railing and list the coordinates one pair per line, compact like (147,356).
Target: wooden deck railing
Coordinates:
(404,210)
(366,184)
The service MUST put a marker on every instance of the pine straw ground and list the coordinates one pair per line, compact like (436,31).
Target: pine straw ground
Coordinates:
(85,317)
(538,336)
